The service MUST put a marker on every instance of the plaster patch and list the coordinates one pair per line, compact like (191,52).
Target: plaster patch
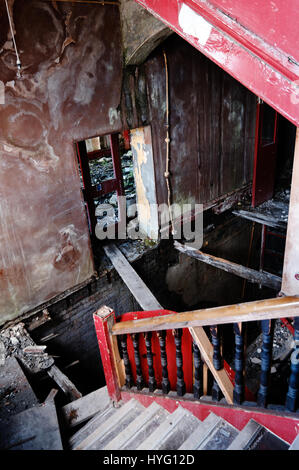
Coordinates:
(194,24)
(113,116)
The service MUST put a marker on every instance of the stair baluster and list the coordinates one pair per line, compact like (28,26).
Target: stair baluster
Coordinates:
(293,389)
(197,388)
(149,358)
(267,331)
(165,380)
(217,362)
(180,386)
(139,378)
(128,372)
(238,395)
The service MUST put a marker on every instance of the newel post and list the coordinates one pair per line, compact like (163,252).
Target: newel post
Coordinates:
(104,319)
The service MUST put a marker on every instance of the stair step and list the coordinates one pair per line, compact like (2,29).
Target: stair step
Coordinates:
(109,429)
(197,437)
(92,424)
(139,429)
(254,436)
(295,444)
(214,433)
(172,432)
(81,410)
(219,436)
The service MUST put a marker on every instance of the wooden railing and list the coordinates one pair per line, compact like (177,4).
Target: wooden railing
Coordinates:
(168,351)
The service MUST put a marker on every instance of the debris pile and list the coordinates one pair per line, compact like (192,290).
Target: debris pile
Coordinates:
(17,342)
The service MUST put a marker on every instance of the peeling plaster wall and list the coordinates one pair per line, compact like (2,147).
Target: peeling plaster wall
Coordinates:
(141,32)
(70,54)
(144,175)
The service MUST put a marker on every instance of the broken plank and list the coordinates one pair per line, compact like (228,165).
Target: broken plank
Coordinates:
(34,429)
(64,383)
(52,395)
(260,218)
(206,349)
(34,349)
(44,318)
(139,289)
(259,277)
(86,407)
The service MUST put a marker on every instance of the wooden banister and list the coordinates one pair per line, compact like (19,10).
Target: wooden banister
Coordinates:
(250,311)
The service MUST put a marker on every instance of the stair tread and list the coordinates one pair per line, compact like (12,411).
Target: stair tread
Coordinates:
(172,432)
(205,427)
(219,437)
(139,429)
(83,409)
(295,444)
(91,425)
(245,435)
(255,436)
(112,427)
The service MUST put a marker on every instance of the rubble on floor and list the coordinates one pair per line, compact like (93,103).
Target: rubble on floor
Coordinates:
(131,249)
(17,342)
(283,344)
(25,423)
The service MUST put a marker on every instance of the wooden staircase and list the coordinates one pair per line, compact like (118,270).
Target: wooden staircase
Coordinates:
(132,426)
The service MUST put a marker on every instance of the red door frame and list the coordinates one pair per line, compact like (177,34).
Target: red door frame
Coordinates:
(90,191)
(264,164)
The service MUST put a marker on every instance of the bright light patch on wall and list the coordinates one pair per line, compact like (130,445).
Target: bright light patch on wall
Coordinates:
(2,93)
(194,24)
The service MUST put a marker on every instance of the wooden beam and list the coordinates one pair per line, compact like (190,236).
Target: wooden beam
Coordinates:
(139,289)
(64,383)
(266,279)
(51,396)
(290,276)
(206,349)
(264,219)
(45,317)
(279,307)
(103,320)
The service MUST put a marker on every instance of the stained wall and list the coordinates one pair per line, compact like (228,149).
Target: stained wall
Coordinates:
(211,122)
(70,54)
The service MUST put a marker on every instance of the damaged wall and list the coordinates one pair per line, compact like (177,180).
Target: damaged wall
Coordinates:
(73,87)
(212,122)
(141,32)
(70,56)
